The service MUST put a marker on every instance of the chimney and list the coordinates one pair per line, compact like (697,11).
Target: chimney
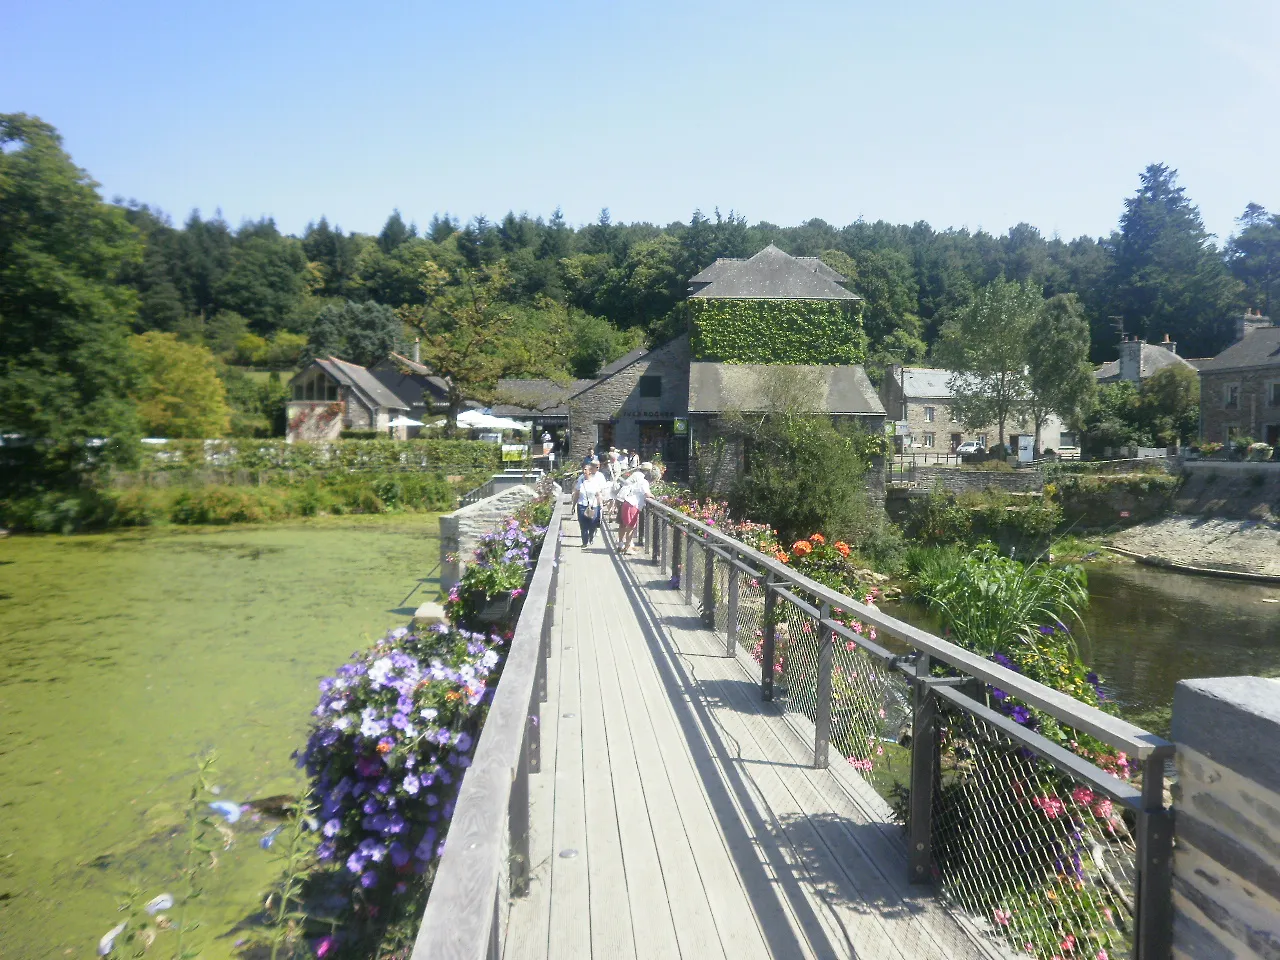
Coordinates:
(417,350)
(1170,345)
(1250,321)
(1131,360)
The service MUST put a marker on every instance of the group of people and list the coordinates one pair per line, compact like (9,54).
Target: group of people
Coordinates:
(619,482)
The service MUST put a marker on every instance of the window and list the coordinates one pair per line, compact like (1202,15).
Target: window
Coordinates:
(982,439)
(651,387)
(1231,396)
(928,439)
(1273,394)
(928,414)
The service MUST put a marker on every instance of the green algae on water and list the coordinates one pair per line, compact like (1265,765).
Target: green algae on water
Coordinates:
(124,657)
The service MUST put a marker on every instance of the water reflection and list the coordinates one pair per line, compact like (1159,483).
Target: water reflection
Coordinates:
(1150,628)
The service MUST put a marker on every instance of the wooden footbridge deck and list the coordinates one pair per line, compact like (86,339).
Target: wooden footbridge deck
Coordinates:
(678,815)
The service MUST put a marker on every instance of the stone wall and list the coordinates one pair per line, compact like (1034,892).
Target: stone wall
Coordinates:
(1252,414)
(1226,869)
(1029,480)
(617,400)
(461,530)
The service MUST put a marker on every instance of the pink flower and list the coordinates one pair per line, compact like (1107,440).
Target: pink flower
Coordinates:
(857,628)
(1050,806)
(851,646)
(871,632)
(1003,917)
(1082,796)
(1103,809)
(1068,945)
(323,946)
(1102,955)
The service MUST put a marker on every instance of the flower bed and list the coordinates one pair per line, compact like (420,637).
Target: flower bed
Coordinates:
(392,737)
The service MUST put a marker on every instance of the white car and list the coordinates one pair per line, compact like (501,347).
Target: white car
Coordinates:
(969,446)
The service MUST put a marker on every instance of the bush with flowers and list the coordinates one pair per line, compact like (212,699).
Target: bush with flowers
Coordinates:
(392,737)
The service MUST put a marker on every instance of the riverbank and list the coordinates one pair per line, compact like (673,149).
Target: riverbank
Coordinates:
(130,654)
(1213,544)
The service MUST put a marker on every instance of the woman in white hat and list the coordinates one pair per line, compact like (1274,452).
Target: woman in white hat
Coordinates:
(631,500)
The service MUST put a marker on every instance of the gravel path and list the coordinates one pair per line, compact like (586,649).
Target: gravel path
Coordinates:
(1245,545)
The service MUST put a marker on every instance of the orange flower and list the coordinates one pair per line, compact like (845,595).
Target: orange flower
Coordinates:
(841,547)
(802,548)
(782,555)
(453,695)
(818,538)
(384,748)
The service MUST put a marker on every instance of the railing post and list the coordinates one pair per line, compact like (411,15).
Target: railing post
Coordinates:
(924,767)
(677,541)
(1153,899)
(731,613)
(708,585)
(822,717)
(767,642)
(659,534)
(686,567)
(518,815)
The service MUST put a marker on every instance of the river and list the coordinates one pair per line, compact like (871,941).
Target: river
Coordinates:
(126,656)
(1148,628)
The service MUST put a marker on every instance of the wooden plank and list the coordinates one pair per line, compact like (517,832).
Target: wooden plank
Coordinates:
(569,934)
(611,925)
(530,917)
(458,923)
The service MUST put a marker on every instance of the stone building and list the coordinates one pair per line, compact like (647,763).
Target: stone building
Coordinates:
(425,394)
(1240,387)
(642,404)
(1139,360)
(331,395)
(921,398)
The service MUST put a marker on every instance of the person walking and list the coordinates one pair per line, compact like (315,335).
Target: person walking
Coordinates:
(587,496)
(631,500)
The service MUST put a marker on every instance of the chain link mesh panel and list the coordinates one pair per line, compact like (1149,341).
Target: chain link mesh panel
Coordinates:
(1047,861)
(796,644)
(693,570)
(871,717)
(751,614)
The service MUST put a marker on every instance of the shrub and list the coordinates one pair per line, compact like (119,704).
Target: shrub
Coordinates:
(360,435)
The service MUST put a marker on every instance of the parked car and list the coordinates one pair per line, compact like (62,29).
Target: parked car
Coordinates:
(969,447)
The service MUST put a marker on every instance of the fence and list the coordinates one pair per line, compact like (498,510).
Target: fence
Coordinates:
(486,857)
(1047,849)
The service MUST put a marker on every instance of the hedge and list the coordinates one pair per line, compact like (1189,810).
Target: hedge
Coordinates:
(776,331)
(250,454)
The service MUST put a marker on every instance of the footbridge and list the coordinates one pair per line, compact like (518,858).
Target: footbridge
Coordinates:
(695,752)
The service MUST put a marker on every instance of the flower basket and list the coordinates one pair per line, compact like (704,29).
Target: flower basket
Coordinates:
(498,609)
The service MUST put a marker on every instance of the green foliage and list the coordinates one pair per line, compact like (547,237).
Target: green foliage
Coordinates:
(179,393)
(1254,257)
(277,454)
(986,345)
(66,369)
(944,517)
(362,333)
(776,331)
(1059,375)
(1170,404)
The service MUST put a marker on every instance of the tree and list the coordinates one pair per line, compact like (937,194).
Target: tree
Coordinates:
(1167,276)
(66,369)
(266,281)
(1059,375)
(465,327)
(883,278)
(179,393)
(394,232)
(1114,419)
(1254,256)
(985,347)
(1169,401)
(360,333)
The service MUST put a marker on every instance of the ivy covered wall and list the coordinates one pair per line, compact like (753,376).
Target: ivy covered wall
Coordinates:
(775,331)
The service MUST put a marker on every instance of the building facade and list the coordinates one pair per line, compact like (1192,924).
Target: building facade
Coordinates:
(1240,387)
(919,400)
(330,395)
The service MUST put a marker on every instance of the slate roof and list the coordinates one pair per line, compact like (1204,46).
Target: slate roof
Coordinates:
(769,275)
(1154,358)
(717,387)
(1260,348)
(623,361)
(360,379)
(422,370)
(535,398)
(926,383)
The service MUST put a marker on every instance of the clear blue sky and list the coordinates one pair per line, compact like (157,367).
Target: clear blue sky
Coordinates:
(960,113)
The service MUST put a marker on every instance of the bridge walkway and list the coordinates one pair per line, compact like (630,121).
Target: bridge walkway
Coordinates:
(677,815)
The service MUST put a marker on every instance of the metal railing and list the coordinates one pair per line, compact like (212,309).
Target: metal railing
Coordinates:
(1054,852)
(486,854)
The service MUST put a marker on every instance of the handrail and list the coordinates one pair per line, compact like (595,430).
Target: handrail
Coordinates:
(461,918)
(1109,729)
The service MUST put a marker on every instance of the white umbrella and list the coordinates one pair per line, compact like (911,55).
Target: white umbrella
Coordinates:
(403,421)
(479,420)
